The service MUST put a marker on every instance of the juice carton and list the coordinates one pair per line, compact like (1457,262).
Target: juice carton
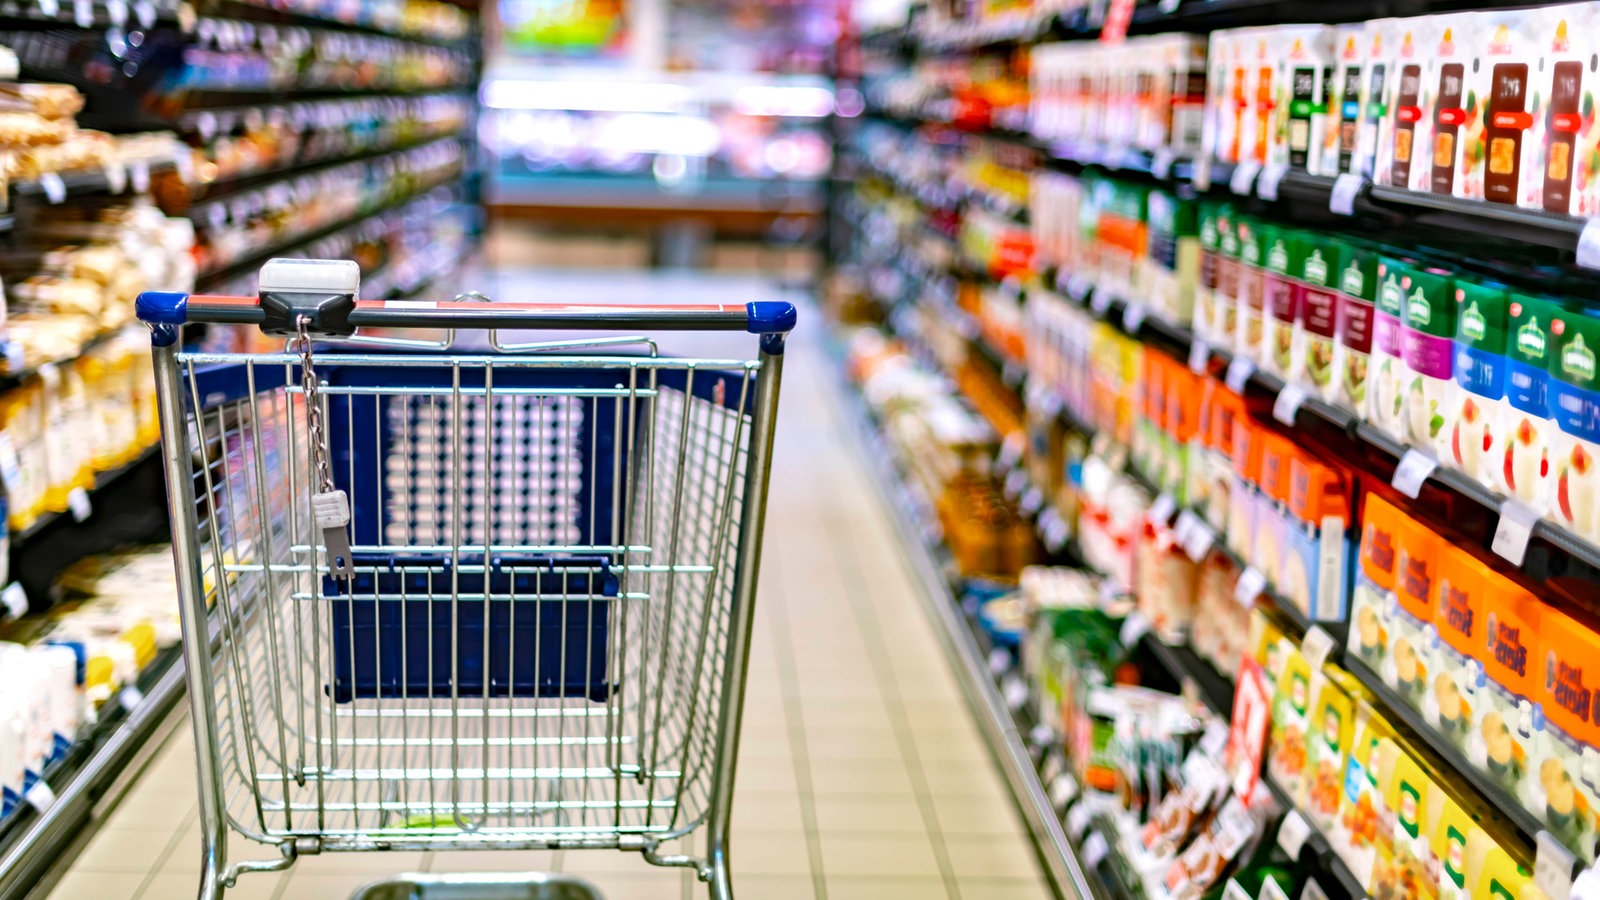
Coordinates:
(1522,460)
(1151,402)
(1378,561)
(1458,681)
(1411,615)
(1303,86)
(1205,291)
(1480,371)
(1455,110)
(1196,472)
(1566,781)
(1255,238)
(1403,160)
(1184,61)
(1227,299)
(1386,395)
(1380,47)
(1316,354)
(1328,743)
(1343,136)
(1508,83)
(1427,346)
(1291,707)
(1172,262)
(1224,88)
(1400,869)
(1358,289)
(1453,829)
(1247,446)
(1261,138)
(1281,255)
(1575,405)
(1510,723)
(1571,152)
(1354,836)
(1316,552)
(1227,409)
(1182,423)
(1272,503)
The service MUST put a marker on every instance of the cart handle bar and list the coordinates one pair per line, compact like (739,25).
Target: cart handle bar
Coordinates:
(339,315)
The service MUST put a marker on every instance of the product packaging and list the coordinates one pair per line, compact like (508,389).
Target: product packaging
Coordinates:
(1281,254)
(1287,762)
(1229,280)
(1508,80)
(1405,160)
(1242,506)
(1480,372)
(1172,264)
(1378,559)
(1567,795)
(1303,87)
(1509,727)
(1354,836)
(1332,726)
(1358,289)
(1455,108)
(1400,869)
(1316,358)
(1458,681)
(1255,238)
(1411,617)
(1227,412)
(1570,157)
(1522,461)
(1205,293)
(1574,397)
(1387,391)
(1272,503)
(1380,55)
(1317,553)
(1343,135)
(1427,347)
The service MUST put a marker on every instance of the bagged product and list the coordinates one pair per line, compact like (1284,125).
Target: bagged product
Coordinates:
(1566,785)
(1372,600)
(1426,345)
(1458,680)
(1522,461)
(1575,405)
(1316,358)
(1510,68)
(1358,288)
(1480,372)
(1279,301)
(1387,392)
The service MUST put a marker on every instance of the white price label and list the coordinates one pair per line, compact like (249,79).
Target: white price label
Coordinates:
(1199,543)
(1239,372)
(15,600)
(1249,586)
(1016,482)
(1015,691)
(205,125)
(116,177)
(83,13)
(1132,317)
(1587,885)
(1199,357)
(118,11)
(1288,404)
(55,190)
(78,504)
(1063,790)
(1292,833)
(1032,501)
(131,698)
(1161,164)
(1346,188)
(1095,850)
(1244,178)
(1185,525)
(40,796)
(1316,646)
(10,463)
(999,661)
(1201,177)
(1511,535)
(1100,302)
(1162,509)
(1078,818)
(1413,470)
(50,8)
(145,12)
(1552,867)
(1271,177)
(1134,627)
(139,175)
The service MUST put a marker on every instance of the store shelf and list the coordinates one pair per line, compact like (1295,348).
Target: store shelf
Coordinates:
(86,181)
(94,13)
(244,10)
(1316,851)
(101,480)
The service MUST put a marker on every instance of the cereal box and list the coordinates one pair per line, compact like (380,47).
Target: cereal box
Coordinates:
(1387,391)
(1575,405)
(1403,161)
(1317,357)
(1411,612)
(1509,726)
(1508,78)
(1566,782)
(1522,461)
(1358,288)
(1282,254)
(1377,563)
(1316,552)
(1480,372)
(1458,678)
(1428,349)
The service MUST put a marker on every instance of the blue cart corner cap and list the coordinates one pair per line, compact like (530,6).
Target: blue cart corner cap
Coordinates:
(162,307)
(771,317)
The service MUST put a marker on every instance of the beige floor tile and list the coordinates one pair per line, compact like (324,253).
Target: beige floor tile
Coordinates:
(125,850)
(155,812)
(992,816)
(886,888)
(853,744)
(894,814)
(1005,890)
(962,779)
(768,776)
(756,811)
(490,861)
(308,885)
(660,885)
(613,862)
(770,854)
(768,887)
(908,855)
(862,777)
(985,857)
(176,886)
(98,885)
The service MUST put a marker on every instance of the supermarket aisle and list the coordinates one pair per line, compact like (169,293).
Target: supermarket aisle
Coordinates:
(862,773)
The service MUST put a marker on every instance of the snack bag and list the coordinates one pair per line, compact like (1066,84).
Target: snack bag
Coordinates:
(1480,372)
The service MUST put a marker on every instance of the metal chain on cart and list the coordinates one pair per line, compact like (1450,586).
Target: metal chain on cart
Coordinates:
(329,505)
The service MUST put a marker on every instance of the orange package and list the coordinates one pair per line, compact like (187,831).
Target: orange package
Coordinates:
(1568,695)
(1242,495)
(1272,503)
(1458,675)
(1416,577)
(1316,546)
(1378,558)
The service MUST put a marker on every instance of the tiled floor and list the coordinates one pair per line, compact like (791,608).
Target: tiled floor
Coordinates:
(862,775)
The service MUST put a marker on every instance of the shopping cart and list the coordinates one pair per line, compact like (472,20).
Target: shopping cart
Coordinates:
(447,600)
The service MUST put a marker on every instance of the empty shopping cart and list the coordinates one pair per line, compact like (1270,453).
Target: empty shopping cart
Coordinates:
(464,595)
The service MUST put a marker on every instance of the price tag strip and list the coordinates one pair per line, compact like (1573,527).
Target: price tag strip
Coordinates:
(1413,470)
(1552,867)
(1239,372)
(1100,302)
(1293,832)
(1249,586)
(1199,357)
(1161,510)
(15,600)
(1244,178)
(1514,530)
(1133,317)
(1288,404)
(1316,646)
(1271,177)
(1346,188)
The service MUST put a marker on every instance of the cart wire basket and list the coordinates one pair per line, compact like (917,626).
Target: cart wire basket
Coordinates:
(437,599)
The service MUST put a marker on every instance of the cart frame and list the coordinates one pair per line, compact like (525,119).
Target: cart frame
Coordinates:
(332,315)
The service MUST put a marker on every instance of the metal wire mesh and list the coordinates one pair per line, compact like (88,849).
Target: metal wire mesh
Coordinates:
(581,512)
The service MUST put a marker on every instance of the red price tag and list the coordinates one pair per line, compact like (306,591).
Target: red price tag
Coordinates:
(1117,18)
(1247,731)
